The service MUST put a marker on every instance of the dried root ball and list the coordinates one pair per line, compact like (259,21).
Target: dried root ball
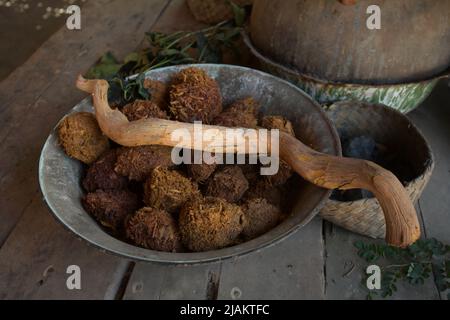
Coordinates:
(201,172)
(194,96)
(81,137)
(284,173)
(260,217)
(278,122)
(248,105)
(143,109)
(159,92)
(284,125)
(210,223)
(101,174)
(153,229)
(168,190)
(265,190)
(252,172)
(228,183)
(240,114)
(138,162)
(110,208)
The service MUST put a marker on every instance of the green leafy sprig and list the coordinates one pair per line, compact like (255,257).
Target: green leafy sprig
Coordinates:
(413,264)
(183,47)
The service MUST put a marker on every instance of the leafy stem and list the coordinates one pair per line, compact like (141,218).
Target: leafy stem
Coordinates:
(413,264)
(182,47)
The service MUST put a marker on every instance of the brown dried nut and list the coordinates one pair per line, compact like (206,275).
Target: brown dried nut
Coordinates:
(284,125)
(143,109)
(260,217)
(168,190)
(111,207)
(201,172)
(138,162)
(81,137)
(284,173)
(277,122)
(228,183)
(210,223)
(232,119)
(153,229)
(194,96)
(251,172)
(247,105)
(101,174)
(263,189)
(159,92)
(241,114)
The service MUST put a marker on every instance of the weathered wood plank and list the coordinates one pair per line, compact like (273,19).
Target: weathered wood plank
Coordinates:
(177,17)
(162,282)
(33,99)
(292,269)
(345,271)
(433,119)
(34,260)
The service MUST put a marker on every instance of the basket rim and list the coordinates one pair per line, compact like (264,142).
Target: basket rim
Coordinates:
(429,165)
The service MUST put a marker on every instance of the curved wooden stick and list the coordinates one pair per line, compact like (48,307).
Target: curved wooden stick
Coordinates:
(330,172)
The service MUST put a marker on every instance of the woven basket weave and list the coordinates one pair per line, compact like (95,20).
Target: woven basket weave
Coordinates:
(398,134)
(214,11)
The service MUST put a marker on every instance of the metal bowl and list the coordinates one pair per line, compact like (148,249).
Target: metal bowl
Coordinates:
(60,176)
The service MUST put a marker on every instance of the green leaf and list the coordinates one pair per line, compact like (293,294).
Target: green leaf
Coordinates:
(418,272)
(388,284)
(132,57)
(359,245)
(440,277)
(108,58)
(169,52)
(105,68)
(239,14)
(142,91)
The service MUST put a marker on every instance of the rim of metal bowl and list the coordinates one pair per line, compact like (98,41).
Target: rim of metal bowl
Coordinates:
(108,243)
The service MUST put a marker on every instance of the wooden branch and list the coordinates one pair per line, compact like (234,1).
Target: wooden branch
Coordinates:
(402,225)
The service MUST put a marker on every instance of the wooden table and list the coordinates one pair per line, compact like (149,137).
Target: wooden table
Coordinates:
(318,262)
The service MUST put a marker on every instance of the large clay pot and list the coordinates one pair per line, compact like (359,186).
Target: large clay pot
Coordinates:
(331,41)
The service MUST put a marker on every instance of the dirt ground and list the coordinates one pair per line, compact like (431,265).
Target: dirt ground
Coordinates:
(25,25)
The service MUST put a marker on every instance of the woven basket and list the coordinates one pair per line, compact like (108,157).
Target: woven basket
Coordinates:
(393,130)
(214,11)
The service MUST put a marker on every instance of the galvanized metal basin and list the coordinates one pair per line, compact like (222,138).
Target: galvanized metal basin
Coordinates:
(60,176)
(403,97)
